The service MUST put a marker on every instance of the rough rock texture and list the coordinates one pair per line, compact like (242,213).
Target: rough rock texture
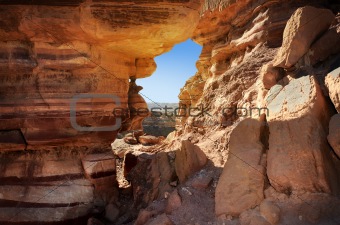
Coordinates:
(334,133)
(333,85)
(189,159)
(296,108)
(148,140)
(300,32)
(27,181)
(53,51)
(242,181)
(150,178)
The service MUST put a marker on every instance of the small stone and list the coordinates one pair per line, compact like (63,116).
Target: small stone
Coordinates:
(174,183)
(111,212)
(270,75)
(174,202)
(144,216)
(201,182)
(160,220)
(148,140)
(130,140)
(94,221)
(166,195)
(270,211)
(185,190)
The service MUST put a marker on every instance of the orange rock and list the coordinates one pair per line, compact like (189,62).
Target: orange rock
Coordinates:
(148,140)
(333,84)
(334,133)
(241,183)
(174,202)
(301,30)
(189,159)
(298,115)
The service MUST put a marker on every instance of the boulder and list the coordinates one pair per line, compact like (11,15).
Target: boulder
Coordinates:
(130,140)
(303,27)
(334,133)
(333,84)
(148,140)
(144,216)
(201,182)
(174,202)
(189,159)
(241,183)
(94,221)
(160,220)
(299,157)
(271,75)
(270,211)
(150,177)
(327,45)
(111,212)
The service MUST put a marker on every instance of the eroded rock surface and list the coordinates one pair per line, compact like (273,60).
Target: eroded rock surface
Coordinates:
(300,32)
(299,108)
(242,181)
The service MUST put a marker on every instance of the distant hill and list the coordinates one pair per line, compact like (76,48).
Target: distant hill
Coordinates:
(158,105)
(160,125)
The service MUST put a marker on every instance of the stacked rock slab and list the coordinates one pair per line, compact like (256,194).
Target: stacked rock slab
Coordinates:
(300,113)
(39,189)
(299,157)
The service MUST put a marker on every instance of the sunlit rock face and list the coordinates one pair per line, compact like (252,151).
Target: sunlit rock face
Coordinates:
(52,51)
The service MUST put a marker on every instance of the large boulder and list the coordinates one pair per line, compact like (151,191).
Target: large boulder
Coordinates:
(334,133)
(325,46)
(333,85)
(241,183)
(304,26)
(299,157)
(150,178)
(189,159)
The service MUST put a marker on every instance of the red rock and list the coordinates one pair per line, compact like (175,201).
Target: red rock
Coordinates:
(130,140)
(299,108)
(99,165)
(301,30)
(94,221)
(334,134)
(144,216)
(201,182)
(160,220)
(189,159)
(111,212)
(333,84)
(271,75)
(241,183)
(328,44)
(174,202)
(12,141)
(270,211)
(148,140)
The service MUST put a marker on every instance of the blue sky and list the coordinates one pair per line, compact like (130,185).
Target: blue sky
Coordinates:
(173,69)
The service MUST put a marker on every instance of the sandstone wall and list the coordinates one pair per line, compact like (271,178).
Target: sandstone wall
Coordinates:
(52,51)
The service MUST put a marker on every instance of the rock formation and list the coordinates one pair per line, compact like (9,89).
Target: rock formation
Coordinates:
(267,151)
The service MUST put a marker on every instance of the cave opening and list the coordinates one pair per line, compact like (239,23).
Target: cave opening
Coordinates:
(162,88)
